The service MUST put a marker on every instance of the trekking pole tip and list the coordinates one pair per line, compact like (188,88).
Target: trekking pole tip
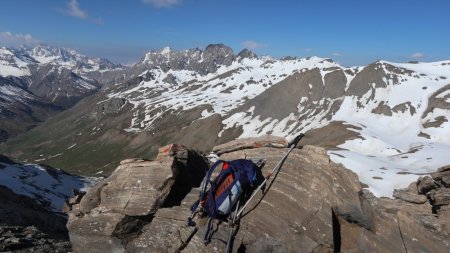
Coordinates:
(295,141)
(191,223)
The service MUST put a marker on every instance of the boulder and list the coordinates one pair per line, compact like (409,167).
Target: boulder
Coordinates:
(116,209)
(446,180)
(409,196)
(442,175)
(425,184)
(440,197)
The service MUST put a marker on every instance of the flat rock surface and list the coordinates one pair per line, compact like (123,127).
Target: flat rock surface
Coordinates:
(410,197)
(249,143)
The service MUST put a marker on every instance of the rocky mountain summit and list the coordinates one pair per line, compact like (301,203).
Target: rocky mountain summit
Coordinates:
(203,62)
(314,205)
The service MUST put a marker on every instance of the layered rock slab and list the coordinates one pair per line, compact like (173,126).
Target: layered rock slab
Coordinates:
(115,210)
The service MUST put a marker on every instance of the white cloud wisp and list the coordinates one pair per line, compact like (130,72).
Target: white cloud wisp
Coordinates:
(252,45)
(162,3)
(11,39)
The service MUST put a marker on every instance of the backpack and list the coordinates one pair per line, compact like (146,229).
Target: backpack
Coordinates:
(236,180)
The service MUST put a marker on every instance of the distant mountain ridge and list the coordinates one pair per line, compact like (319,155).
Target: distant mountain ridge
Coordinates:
(23,56)
(37,82)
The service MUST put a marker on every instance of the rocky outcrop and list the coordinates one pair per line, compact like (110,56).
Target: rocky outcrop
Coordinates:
(218,53)
(111,106)
(204,62)
(170,79)
(117,210)
(437,110)
(383,109)
(246,53)
(313,205)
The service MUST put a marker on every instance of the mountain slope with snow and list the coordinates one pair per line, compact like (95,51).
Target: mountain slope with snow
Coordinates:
(20,109)
(403,134)
(47,79)
(398,112)
(47,186)
(20,59)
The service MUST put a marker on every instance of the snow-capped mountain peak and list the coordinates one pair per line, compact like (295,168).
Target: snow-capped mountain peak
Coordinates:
(14,62)
(36,82)
(19,61)
(166,51)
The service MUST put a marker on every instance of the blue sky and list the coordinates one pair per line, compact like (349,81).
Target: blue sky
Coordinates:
(352,32)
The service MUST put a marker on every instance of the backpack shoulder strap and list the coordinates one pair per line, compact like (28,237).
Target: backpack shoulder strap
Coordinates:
(245,167)
(205,186)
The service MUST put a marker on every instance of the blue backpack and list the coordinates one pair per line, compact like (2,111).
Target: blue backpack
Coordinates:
(236,178)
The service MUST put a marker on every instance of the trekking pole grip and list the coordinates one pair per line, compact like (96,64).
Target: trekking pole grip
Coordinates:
(295,141)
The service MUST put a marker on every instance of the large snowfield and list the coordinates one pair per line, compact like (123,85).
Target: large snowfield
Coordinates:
(391,154)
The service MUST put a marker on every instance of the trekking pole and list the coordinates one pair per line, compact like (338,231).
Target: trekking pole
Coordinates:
(291,146)
(230,236)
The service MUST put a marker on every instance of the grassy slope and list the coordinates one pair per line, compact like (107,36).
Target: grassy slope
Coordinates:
(104,148)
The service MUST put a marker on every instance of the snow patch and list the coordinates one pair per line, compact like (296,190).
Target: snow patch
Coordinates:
(49,187)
